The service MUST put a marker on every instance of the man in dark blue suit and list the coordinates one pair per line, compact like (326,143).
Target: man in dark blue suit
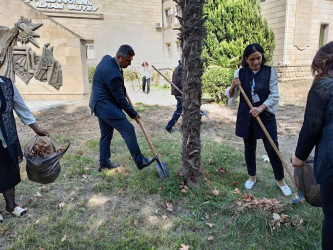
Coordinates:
(108,100)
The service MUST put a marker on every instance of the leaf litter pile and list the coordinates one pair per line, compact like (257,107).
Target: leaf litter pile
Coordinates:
(273,206)
(42,149)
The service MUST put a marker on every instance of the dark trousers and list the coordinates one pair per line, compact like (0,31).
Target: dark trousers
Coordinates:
(144,84)
(326,190)
(126,130)
(148,85)
(176,114)
(250,156)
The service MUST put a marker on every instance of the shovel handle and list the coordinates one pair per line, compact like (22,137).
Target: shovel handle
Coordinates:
(143,129)
(285,165)
(168,80)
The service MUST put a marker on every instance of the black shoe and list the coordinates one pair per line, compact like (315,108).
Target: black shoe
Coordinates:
(112,166)
(169,130)
(146,162)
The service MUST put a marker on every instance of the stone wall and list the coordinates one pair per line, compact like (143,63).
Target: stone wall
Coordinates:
(296,24)
(119,22)
(68,50)
(291,73)
(275,13)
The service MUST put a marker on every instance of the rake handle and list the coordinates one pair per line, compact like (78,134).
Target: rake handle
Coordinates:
(168,80)
(285,165)
(143,129)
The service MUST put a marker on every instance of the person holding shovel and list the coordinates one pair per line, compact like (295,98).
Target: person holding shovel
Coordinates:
(260,83)
(108,101)
(177,79)
(317,130)
(10,149)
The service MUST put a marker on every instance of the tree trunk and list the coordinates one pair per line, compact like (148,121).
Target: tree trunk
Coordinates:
(191,36)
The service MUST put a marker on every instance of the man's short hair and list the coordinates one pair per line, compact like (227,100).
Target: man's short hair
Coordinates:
(125,50)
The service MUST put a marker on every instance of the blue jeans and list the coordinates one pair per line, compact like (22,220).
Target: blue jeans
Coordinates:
(126,130)
(326,190)
(176,114)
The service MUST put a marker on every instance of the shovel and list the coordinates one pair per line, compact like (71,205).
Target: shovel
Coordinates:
(285,165)
(201,111)
(161,167)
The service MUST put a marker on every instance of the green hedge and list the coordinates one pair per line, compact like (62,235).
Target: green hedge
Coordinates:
(215,80)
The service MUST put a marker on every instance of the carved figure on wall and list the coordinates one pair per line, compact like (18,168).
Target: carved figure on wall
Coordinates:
(22,60)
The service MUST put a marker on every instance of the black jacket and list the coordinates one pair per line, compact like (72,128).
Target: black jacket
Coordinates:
(317,129)
(177,79)
(245,121)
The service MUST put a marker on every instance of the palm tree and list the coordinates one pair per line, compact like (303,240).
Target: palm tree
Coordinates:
(191,36)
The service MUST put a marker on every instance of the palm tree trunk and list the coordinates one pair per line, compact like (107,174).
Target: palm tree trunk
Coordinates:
(191,36)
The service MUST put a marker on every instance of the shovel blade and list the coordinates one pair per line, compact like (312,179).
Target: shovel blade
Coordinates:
(300,197)
(162,169)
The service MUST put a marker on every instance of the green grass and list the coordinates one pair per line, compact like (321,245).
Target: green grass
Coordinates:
(125,209)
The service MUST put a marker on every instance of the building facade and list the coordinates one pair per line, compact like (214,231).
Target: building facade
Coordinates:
(81,32)
(300,27)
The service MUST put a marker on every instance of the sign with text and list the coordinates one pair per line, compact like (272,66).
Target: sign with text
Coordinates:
(72,5)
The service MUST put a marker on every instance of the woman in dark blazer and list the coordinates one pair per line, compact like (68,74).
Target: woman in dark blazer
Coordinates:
(260,83)
(317,130)
(10,148)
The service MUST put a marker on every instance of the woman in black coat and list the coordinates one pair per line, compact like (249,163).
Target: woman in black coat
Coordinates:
(260,83)
(317,130)
(10,148)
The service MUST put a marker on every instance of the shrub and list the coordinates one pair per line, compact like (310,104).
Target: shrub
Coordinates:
(91,71)
(215,80)
(132,75)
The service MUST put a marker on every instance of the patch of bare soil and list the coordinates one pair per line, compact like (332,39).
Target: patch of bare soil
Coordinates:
(77,124)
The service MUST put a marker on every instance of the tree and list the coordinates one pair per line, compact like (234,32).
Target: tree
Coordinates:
(191,37)
(232,25)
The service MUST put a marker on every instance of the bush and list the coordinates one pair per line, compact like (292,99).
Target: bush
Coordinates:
(132,75)
(215,80)
(91,71)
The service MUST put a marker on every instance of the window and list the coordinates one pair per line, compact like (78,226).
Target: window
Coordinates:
(169,13)
(323,34)
(90,50)
(178,13)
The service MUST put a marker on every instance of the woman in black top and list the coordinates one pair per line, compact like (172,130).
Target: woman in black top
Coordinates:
(260,83)
(317,130)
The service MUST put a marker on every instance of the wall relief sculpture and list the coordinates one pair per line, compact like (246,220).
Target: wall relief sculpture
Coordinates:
(17,58)
(303,20)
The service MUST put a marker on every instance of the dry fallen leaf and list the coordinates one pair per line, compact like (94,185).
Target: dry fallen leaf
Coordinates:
(248,197)
(184,247)
(169,206)
(63,238)
(136,223)
(239,202)
(37,194)
(211,237)
(237,191)
(30,201)
(41,248)
(164,217)
(235,183)
(121,191)
(210,161)
(210,225)
(206,216)
(216,192)
(61,205)
(183,191)
(37,222)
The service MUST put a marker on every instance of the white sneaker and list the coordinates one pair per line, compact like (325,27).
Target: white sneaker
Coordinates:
(249,184)
(285,190)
